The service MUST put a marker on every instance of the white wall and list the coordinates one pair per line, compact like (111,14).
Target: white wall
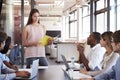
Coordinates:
(52,25)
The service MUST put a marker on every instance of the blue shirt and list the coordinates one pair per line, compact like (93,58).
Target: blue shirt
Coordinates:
(10,73)
(114,73)
(4,57)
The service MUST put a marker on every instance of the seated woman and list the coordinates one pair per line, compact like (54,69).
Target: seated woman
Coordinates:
(4,57)
(110,57)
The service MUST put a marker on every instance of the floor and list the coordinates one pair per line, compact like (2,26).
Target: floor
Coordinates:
(51,61)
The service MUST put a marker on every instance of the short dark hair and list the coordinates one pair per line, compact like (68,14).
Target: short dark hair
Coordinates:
(97,36)
(116,36)
(6,47)
(3,36)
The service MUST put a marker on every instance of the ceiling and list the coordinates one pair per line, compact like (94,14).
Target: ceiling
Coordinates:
(48,8)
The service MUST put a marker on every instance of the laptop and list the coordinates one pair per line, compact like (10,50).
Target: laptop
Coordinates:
(75,75)
(33,70)
(76,68)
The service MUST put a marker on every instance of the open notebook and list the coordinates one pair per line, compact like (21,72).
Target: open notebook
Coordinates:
(33,70)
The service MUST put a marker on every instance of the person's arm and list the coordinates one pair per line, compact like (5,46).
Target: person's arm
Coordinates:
(84,61)
(24,39)
(108,66)
(10,65)
(104,76)
(10,76)
(9,73)
(82,58)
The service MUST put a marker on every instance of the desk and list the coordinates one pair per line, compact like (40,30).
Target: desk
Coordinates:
(51,73)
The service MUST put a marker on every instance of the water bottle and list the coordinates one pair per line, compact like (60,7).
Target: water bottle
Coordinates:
(72,61)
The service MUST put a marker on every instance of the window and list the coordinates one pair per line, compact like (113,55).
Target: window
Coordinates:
(100,4)
(112,16)
(66,27)
(118,14)
(86,27)
(73,25)
(101,22)
(86,22)
(101,16)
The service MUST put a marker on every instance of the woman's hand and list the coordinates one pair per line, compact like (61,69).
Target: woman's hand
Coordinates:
(87,79)
(50,41)
(83,70)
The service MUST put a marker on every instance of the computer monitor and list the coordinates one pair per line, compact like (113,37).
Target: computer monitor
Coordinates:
(53,33)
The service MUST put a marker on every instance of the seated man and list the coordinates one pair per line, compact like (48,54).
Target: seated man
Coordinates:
(114,72)
(8,73)
(95,56)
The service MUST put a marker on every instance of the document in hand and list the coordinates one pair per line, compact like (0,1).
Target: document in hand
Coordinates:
(44,40)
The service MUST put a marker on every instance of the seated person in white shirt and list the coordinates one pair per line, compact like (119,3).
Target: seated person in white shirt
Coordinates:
(3,55)
(9,74)
(95,56)
(110,56)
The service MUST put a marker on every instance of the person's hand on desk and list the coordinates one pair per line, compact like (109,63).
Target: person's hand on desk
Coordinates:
(87,79)
(22,74)
(83,70)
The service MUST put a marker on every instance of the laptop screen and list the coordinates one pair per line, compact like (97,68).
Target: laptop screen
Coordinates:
(65,62)
(67,77)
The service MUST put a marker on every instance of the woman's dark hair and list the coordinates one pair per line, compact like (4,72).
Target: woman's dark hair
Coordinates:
(6,47)
(30,16)
(3,36)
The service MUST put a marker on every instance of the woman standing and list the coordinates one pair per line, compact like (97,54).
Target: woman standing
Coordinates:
(32,33)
